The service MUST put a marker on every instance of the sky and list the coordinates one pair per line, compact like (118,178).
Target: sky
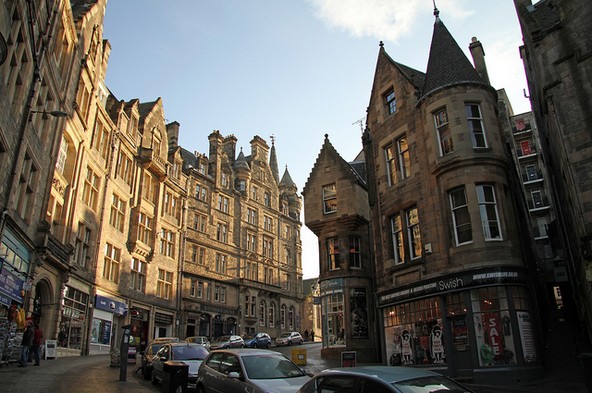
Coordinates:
(294,69)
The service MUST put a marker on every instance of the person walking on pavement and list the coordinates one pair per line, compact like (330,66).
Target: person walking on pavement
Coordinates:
(26,343)
(36,348)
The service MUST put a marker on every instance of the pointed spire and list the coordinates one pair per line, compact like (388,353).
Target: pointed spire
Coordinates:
(273,163)
(447,63)
(287,180)
(436,12)
(241,162)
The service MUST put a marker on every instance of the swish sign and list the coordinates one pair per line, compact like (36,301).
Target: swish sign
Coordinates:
(453,282)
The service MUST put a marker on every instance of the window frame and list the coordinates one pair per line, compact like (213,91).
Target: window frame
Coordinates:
(459,208)
(329,192)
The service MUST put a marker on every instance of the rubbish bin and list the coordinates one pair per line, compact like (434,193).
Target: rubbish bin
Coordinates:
(175,377)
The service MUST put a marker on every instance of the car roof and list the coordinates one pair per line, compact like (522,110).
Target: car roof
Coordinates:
(183,344)
(164,340)
(248,351)
(386,373)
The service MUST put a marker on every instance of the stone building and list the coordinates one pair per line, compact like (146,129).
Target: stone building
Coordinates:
(557,50)
(242,254)
(108,222)
(44,45)
(452,280)
(337,212)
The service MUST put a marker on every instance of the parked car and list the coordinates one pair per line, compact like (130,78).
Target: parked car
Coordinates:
(191,354)
(231,341)
(202,340)
(249,370)
(381,379)
(151,349)
(289,338)
(259,340)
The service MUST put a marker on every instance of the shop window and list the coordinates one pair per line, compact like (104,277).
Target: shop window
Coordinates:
(335,333)
(414,333)
(493,330)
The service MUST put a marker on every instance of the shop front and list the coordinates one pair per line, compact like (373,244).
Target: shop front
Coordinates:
(345,319)
(475,324)
(107,316)
(12,313)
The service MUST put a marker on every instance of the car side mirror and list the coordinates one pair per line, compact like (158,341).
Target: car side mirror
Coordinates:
(163,359)
(234,375)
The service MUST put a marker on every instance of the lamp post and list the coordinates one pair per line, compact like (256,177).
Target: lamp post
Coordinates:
(50,113)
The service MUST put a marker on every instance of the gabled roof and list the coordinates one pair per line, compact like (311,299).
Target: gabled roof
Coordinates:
(447,63)
(347,168)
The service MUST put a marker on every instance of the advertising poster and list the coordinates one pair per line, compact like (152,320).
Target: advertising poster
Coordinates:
(359,313)
(527,336)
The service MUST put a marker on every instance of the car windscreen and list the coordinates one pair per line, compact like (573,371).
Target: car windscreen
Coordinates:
(270,367)
(190,352)
(435,384)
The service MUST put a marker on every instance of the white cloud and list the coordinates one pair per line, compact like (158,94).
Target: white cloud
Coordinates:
(381,19)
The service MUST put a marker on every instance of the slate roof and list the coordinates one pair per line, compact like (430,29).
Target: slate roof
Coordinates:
(447,63)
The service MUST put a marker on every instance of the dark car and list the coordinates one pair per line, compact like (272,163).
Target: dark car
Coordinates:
(259,340)
(150,351)
(249,370)
(192,354)
(381,379)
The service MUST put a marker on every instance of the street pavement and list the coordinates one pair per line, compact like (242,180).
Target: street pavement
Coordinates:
(93,374)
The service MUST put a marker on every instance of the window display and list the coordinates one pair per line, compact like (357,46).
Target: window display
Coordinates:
(414,333)
(493,331)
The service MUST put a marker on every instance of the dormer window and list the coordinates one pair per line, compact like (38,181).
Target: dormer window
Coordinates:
(390,102)
(329,199)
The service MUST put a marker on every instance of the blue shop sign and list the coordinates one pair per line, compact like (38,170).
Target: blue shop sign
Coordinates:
(10,285)
(106,304)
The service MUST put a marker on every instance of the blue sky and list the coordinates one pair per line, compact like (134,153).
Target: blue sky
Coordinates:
(295,69)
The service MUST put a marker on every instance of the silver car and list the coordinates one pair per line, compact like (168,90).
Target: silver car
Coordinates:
(202,340)
(289,338)
(381,379)
(230,341)
(249,370)
(191,354)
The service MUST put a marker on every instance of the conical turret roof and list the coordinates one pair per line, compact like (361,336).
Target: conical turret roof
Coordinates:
(447,63)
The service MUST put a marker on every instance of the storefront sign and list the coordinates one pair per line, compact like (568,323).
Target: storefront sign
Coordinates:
(11,285)
(106,304)
(331,286)
(219,310)
(163,319)
(453,282)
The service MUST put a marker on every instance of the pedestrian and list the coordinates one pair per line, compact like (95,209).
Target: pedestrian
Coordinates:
(26,343)
(312,336)
(36,348)
(306,335)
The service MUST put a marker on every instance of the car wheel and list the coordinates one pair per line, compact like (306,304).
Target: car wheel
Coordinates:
(301,342)
(154,380)
(146,372)
(268,345)
(254,345)
(200,389)
(290,342)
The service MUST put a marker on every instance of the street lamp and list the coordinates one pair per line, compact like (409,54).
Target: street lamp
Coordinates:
(49,113)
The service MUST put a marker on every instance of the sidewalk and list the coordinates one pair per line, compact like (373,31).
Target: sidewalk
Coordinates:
(85,374)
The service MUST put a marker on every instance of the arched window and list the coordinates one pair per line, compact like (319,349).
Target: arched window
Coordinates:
(291,317)
(271,317)
(283,315)
(262,310)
